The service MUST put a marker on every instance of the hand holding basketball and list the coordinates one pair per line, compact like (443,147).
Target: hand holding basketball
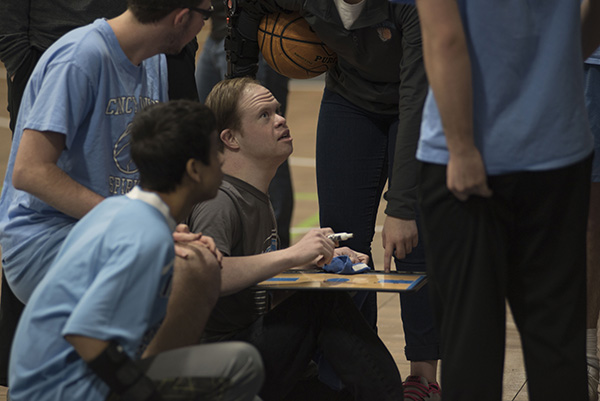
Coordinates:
(292,48)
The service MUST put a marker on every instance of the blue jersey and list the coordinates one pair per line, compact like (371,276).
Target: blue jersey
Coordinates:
(85,88)
(109,281)
(528,106)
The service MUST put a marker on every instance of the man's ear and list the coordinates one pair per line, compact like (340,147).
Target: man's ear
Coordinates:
(229,139)
(194,169)
(180,16)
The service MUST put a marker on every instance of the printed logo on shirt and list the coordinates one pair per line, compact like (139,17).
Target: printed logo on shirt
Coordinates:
(384,30)
(124,163)
(127,105)
(123,105)
(271,243)
(120,185)
(121,154)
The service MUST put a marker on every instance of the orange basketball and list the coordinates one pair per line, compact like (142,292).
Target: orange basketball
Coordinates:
(292,48)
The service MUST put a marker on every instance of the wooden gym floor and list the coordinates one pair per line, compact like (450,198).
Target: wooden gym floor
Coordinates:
(303,107)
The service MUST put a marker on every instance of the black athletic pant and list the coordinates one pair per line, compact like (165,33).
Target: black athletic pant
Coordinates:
(288,337)
(10,306)
(525,244)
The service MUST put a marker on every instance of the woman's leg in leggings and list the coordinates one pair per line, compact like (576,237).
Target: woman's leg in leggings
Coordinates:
(352,169)
(354,154)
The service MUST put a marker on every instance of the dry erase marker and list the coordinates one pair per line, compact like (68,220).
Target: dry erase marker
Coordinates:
(337,237)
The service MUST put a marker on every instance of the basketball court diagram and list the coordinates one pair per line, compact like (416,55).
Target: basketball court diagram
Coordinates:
(319,280)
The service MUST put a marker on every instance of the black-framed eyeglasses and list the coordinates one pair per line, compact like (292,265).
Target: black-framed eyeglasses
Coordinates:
(206,13)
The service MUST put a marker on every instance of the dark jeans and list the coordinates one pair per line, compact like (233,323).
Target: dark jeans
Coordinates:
(281,190)
(10,306)
(281,193)
(181,67)
(288,336)
(355,151)
(10,312)
(525,244)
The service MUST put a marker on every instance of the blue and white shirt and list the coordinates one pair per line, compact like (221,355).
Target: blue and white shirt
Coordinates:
(110,281)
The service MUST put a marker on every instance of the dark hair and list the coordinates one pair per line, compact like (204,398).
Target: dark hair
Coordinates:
(164,136)
(148,11)
(223,100)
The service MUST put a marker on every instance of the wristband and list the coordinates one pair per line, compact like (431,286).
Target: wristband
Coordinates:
(123,376)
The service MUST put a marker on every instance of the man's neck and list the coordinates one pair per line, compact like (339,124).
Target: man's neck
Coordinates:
(138,41)
(258,177)
(180,203)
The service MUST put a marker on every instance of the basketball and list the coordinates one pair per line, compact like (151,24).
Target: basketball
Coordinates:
(292,48)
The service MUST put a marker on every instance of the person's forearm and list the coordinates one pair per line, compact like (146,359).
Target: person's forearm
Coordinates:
(241,44)
(590,26)
(35,171)
(194,293)
(53,186)
(402,193)
(243,272)
(448,68)
(88,348)
(240,272)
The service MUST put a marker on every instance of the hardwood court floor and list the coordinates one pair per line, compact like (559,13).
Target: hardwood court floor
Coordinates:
(302,114)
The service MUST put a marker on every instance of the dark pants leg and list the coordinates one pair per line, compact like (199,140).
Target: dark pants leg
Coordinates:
(281,193)
(16,86)
(281,190)
(527,243)
(355,150)
(547,279)
(10,306)
(181,68)
(288,336)
(10,312)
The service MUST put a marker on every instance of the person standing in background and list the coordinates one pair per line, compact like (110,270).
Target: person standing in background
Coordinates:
(498,154)
(367,133)
(592,100)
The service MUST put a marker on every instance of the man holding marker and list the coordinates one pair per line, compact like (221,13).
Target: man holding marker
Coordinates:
(287,334)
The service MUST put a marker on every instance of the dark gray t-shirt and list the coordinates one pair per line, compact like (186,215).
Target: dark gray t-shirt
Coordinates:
(241,221)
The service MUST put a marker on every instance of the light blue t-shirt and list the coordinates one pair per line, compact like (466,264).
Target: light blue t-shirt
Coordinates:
(110,281)
(86,88)
(528,105)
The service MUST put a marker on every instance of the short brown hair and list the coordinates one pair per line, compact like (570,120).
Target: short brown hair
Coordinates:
(223,100)
(149,11)
(165,136)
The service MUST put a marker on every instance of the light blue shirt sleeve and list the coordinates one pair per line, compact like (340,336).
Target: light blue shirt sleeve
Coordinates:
(63,102)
